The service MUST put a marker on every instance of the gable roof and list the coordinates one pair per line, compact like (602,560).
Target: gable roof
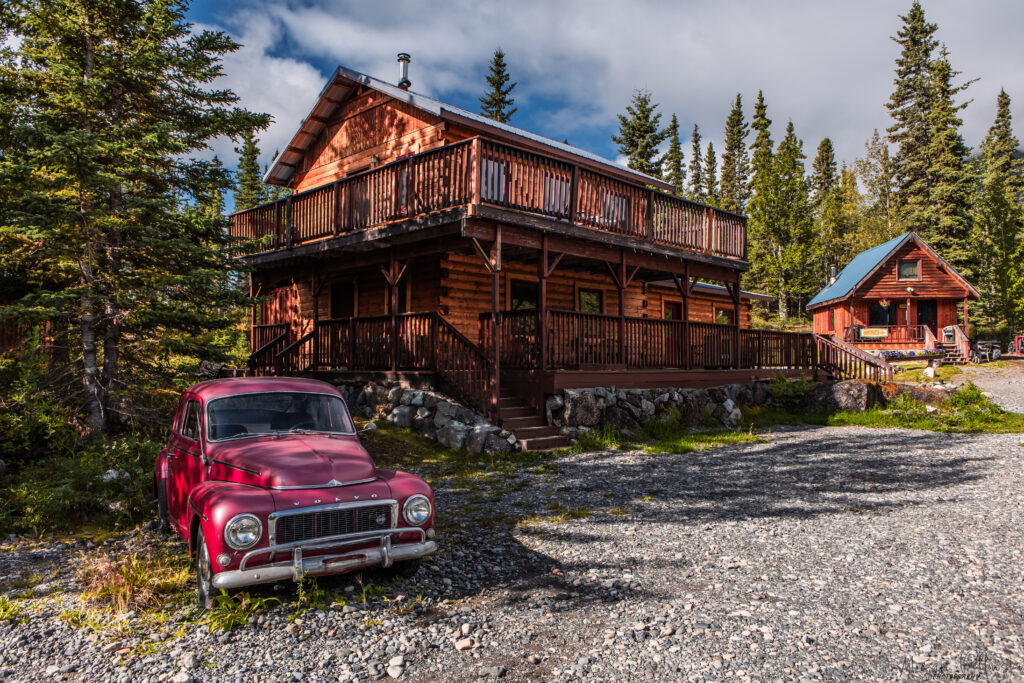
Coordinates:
(866,263)
(345,80)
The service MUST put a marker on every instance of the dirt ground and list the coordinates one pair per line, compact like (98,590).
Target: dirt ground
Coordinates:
(1003,379)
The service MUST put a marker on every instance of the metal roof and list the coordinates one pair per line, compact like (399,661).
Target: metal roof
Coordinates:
(340,85)
(867,262)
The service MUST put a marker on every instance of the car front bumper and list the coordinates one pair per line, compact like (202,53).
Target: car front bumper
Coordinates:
(384,554)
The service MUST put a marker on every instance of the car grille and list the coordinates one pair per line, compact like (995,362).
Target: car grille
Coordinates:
(303,526)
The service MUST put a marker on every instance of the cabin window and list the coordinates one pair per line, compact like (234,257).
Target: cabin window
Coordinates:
(590,301)
(725,316)
(523,295)
(343,300)
(190,423)
(831,319)
(881,316)
(909,269)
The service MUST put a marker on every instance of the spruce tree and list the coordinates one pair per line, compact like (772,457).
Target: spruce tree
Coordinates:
(711,176)
(497,102)
(876,172)
(107,104)
(639,135)
(947,216)
(249,188)
(760,205)
(999,246)
(696,167)
(672,162)
(909,105)
(824,178)
(827,202)
(734,188)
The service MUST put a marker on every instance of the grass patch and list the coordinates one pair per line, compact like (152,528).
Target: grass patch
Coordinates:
(136,581)
(663,434)
(966,411)
(232,611)
(617,512)
(913,371)
(10,610)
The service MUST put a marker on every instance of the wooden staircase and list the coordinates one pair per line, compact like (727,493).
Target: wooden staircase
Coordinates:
(951,353)
(531,429)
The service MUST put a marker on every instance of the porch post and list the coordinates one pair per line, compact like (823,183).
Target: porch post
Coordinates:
(316,319)
(393,310)
(684,291)
(542,305)
(622,306)
(966,319)
(496,327)
(736,321)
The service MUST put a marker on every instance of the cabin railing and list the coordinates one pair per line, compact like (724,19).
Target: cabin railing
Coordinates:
(466,368)
(845,361)
(295,357)
(895,334)
(261,361)
(479,171)
(585,340)
(963,344)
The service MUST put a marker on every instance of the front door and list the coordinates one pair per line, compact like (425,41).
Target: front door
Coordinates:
(927,314)
(674,350)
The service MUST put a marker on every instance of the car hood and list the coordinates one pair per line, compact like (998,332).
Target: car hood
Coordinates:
(297,460)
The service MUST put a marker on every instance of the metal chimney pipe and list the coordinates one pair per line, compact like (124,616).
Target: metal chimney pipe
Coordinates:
(403,71)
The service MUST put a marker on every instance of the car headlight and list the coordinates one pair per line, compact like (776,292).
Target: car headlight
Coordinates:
(243,531)
(416,510)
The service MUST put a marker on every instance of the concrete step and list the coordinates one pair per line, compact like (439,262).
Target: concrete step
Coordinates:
(544,443)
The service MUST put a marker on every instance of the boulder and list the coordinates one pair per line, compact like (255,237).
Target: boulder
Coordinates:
(476,438)
(581,408)
(620,419)
(851,395)
(402,416)
(453,435)
(646,407)
(493,443)
(430,400)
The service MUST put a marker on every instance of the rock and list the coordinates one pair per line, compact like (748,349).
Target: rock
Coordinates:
(394,395)
(476,438)
(581,408)
(495,444)
(929,372)
(850,395)
(620,419)
(646,407)
(181,677)
(463,644)
(402,416)
(534,659)
(492,672)
(397,660)
(188,661)
(452,435)
(395,671)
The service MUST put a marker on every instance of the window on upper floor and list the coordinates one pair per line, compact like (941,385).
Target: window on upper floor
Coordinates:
(909,269)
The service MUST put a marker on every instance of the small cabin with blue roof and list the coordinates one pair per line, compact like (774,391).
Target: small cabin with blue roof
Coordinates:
(898,295)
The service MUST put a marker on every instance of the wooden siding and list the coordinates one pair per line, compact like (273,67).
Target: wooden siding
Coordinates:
(371,125)
(933,283)
(466,293)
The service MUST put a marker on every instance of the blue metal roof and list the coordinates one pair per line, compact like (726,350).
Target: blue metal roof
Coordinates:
(855,271)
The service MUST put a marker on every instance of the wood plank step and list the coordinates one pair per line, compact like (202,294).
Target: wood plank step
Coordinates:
(515,423)
(511,402)
(520,411)
(545,443)
(535,432)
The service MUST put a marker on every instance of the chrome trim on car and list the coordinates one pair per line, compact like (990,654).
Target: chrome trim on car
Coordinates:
(383,535)
(274,516)
(197,510)
(321,564)
(206,410)
(333,483)
(237,467)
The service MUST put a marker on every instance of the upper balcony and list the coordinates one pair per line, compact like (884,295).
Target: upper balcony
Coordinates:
(477,176)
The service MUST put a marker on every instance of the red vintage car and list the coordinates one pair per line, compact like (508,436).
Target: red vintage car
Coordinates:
(266,480)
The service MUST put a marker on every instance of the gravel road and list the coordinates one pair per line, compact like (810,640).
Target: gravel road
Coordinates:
(824,553)
(1004,381)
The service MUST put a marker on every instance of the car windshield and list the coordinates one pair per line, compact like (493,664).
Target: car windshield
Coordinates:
(276,412)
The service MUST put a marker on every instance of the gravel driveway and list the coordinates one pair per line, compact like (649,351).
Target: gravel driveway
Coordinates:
(1004,381)
(825,553)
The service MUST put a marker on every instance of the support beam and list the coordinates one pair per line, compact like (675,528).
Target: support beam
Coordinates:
(543,271)
(495,322)
(621,281)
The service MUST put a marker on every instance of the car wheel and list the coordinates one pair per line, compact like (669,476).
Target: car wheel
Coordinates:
(161,506)
(204,572)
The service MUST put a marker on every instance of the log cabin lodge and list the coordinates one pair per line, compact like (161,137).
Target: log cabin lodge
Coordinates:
(898,296)
(427,243)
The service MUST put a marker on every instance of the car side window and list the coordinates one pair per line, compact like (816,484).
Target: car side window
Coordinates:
(190,423)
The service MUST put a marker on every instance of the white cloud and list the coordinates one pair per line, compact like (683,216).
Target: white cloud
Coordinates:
(828,66)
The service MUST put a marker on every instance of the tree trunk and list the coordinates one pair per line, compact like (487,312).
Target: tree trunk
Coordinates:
(111,310)
(91,383)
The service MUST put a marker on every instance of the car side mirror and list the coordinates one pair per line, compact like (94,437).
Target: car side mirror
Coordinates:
(370,428)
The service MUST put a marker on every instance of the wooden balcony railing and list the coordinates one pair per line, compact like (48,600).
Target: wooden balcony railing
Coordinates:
(483,172)
(587,341)
(844,361)
(896,334)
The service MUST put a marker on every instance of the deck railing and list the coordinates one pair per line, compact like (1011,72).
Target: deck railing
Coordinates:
(844,361)
(585,340)
(483,172)
(895,334)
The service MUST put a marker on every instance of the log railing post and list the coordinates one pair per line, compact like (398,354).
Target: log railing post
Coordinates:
(574,194)
(649,217)
(476,174)
(542,305)
(290,219)
(336,213)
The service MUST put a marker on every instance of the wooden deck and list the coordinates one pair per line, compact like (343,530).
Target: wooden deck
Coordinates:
(477,174)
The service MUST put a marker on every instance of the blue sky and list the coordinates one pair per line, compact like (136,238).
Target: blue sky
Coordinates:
(826,65)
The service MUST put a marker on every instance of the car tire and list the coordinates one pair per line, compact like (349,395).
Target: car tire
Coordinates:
(204,571)
(162,524)
(401,570)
